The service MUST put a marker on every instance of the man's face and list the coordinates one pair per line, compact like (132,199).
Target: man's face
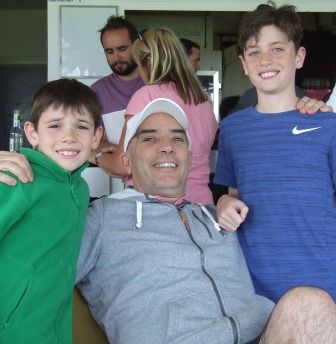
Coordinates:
(118,51)
(195,58)
(158,157)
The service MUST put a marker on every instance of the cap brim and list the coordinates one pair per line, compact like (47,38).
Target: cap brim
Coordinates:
(159,105)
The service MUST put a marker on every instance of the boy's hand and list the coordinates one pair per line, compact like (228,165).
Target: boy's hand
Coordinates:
(310,106)
(231,212)
(18,165)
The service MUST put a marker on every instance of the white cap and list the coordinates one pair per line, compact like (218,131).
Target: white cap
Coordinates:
(161,105)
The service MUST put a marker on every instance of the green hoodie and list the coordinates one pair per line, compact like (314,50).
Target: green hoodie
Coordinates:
(41,227)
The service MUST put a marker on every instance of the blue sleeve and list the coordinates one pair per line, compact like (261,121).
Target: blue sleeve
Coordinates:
(224,174)
(332,160)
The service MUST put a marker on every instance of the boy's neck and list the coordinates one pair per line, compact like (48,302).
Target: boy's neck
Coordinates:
(276,103)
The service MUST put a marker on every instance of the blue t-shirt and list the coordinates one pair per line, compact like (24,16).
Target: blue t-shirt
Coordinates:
(284,167)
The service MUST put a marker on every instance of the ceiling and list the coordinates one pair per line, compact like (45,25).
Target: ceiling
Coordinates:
(23,5)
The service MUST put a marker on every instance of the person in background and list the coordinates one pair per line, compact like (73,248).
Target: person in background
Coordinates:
(41,223)
(115,90)
(193,51)
(280,164)
(155,268)
(226,106)
(165,69)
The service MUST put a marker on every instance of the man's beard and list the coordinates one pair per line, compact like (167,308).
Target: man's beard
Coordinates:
(131,66)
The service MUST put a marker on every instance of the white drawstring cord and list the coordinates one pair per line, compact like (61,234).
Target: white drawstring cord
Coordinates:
(139,215)
(216,225)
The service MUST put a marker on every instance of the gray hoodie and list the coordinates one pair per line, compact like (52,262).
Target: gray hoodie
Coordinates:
(153,272)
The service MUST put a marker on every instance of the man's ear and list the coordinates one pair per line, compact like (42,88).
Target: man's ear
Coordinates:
(97,137)
(300,57)
(126,162)
(241,58)
(31,133)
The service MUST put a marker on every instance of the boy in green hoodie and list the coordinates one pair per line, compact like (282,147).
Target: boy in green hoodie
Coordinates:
(41,223)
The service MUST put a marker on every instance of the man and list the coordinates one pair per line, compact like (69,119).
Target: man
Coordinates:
(155,268)
(115,90)
(193,51)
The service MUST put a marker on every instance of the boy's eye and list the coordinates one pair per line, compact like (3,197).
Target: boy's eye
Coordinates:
(54,126)
(254,53)
(277,50)
(83,127)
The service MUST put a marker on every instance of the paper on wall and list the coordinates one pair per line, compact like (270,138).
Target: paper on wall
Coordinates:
(114,123)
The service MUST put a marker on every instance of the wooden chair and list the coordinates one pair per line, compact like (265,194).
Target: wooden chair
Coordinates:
(84,329)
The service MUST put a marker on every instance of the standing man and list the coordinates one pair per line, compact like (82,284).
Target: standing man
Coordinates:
(115,90)
(193,51)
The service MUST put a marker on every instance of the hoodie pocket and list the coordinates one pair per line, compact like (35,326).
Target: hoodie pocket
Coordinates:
(14,283)
(195,316)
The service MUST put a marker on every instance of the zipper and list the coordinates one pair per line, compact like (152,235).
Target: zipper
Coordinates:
(212,281)
(203,223)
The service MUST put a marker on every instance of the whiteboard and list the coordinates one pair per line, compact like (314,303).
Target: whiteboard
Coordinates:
(82,55)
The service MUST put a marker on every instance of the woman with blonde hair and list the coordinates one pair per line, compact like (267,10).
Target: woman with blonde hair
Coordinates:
(167,73)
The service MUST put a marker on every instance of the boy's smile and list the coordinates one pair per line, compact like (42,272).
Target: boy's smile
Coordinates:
(64,136)
(270,60)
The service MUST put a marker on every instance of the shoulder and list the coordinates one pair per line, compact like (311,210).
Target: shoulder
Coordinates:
(102,81)
(146,94)
(238,116)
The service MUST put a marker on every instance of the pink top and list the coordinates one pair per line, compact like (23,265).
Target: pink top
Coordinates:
(202,130)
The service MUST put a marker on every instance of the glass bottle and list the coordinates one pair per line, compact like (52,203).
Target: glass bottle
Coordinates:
(15,135)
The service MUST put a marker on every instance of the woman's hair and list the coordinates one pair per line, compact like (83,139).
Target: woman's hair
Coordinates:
(168,63)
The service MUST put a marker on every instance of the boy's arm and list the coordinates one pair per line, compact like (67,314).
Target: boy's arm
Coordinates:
(231,212)
(16,164)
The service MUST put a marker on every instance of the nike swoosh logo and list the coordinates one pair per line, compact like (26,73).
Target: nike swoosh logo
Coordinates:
(296,131)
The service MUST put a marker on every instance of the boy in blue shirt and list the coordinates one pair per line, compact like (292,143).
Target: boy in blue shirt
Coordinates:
(279,164)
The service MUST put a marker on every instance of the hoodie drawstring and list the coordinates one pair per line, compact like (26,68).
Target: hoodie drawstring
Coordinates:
(206,212)
(139,215)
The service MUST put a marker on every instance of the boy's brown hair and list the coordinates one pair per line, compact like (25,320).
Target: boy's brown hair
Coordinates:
(284,18)
(66,94)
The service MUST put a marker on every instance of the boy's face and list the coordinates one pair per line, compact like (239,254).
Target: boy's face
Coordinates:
(271,62)
(65,137)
